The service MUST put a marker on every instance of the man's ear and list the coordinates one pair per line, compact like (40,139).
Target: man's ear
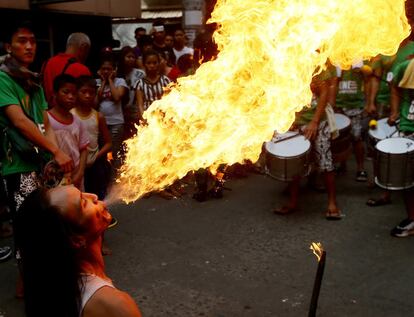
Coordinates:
(78,241)
(7,47)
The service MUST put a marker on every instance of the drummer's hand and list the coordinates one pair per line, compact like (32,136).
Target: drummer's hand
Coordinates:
(392,119)
(311,130)
(371,110)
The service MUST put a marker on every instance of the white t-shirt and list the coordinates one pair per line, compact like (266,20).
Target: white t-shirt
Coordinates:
(185,50)
(112,111)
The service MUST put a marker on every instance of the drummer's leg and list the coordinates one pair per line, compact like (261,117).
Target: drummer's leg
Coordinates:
(358,131)
(406,227)
(292,204)
(324,160)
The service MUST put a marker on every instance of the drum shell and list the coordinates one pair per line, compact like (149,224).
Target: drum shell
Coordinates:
(287,168)
(394,171)
(341,147)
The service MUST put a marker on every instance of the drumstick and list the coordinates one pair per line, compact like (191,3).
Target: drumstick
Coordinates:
(288,137)
(397,122)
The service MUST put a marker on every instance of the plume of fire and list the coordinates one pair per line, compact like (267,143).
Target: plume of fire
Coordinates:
(317,249)
(269,51)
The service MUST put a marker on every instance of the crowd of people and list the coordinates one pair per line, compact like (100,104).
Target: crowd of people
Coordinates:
(67,125)
(63,133)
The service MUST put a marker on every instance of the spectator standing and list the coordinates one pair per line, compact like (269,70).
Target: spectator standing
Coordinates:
(127,70)
(138,33)
(23,110)
(159,45)
(151,87)
(180,48)
(97,171)
(111,92)
(70,132)
(169,40)
(70,62)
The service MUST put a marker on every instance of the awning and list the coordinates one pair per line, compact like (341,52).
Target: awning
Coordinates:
(166,14)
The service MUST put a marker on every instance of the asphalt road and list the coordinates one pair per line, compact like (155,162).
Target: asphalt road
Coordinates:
(233,257)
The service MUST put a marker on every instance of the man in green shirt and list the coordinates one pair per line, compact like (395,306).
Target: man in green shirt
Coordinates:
(315,127)
(22,108)
(350,100)
(402,107)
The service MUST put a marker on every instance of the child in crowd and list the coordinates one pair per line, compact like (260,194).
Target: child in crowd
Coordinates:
(70,133)
(97,171)
(111,92)
(151,87)
(127,70)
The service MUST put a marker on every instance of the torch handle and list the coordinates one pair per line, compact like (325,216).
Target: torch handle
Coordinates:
(317,285)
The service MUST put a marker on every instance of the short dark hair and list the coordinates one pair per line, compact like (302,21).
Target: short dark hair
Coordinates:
(13,27)
(140,29)
(85,80)
(61,80)
(150,53)
(144,40)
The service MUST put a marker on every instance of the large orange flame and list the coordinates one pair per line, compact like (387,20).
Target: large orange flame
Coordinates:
(269,51)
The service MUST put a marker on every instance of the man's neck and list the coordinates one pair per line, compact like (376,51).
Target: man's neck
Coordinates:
(179,47)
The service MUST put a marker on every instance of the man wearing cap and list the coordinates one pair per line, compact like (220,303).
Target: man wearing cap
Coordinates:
(159,45)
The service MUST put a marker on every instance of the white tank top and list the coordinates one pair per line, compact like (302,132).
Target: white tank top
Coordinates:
(89,285)
(91,123)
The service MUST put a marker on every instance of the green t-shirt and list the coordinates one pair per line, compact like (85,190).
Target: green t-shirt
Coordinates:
(306,114)
(350,89)
(407,98)
(12,94)
(387,64)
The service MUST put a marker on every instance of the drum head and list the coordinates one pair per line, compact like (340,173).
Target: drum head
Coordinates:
(288,148)
(383,130)
(342,121)
(395,145)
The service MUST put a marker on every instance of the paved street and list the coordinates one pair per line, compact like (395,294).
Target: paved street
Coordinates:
(233,257)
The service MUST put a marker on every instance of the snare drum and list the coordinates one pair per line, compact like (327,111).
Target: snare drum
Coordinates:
(289,158)
(395,163)
(341,146)
(382,131)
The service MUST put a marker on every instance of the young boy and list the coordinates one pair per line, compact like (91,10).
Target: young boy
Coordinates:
(70,133)
(97,171)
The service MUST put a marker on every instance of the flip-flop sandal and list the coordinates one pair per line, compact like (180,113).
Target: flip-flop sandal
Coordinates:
(284,210)
(334,216)
(375,202)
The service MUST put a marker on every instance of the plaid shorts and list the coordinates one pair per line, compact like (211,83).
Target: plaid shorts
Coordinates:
(321,148)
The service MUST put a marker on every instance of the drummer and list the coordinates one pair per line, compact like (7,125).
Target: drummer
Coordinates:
(402,106)
(350,98)
(316,129)
(378,103)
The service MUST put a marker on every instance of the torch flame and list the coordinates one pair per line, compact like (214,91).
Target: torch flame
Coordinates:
(269,52)
(317,249)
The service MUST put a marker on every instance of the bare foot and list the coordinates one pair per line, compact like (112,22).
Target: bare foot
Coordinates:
(284,210)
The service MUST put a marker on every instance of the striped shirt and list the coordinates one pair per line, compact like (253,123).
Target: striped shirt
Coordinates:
(152,91)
